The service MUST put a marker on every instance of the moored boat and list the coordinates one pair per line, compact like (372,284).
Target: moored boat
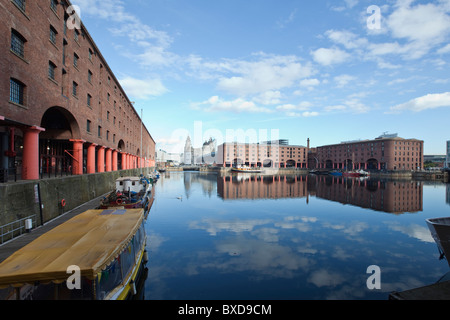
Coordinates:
(97,255)
(130,193)
(440,231)
(351,174)
(336,173)
(246,170)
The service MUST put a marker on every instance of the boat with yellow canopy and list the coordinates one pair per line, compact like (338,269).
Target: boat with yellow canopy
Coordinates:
(97,255)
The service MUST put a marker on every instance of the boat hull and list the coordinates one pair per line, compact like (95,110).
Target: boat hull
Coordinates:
(440,231)
(245,170)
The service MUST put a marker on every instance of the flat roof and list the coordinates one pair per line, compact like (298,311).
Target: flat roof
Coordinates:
(91,241)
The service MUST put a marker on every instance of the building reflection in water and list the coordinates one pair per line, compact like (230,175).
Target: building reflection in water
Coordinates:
(395,197)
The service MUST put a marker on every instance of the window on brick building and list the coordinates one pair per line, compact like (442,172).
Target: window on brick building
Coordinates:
(51,70)
(89,76)
(54,5)
(88,125)
(17,43)
(90,54)
(75,59)
(53,34)
(76,35)
(99,131)
(74,88)
(20,4)
(89,98)
(17,92)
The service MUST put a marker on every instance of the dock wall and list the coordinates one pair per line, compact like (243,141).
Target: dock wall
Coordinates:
(19,200)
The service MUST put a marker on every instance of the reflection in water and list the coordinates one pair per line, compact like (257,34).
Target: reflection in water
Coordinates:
(288,237)
(387,196)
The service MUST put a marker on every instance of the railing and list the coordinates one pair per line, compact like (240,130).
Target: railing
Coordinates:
(14,229)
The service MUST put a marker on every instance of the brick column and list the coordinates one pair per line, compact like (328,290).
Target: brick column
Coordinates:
(108,159)
(124,161)
(77,163)
(91,158)
(101,159)
(115,160)
(30,160)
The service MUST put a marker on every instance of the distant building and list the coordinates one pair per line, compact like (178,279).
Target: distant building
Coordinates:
(164,158)
(198,156)
(270,154)
(209,150)
(387,152)
(447,159)
(188,152)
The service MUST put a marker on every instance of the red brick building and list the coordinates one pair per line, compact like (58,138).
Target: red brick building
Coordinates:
(278,154)
(387,152)
(62,110)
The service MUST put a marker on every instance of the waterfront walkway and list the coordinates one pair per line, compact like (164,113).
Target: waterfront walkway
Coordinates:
(12,246)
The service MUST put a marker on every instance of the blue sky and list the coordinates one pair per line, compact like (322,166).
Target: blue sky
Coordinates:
(330,71)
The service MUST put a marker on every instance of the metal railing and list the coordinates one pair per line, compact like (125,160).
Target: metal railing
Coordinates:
(14,229)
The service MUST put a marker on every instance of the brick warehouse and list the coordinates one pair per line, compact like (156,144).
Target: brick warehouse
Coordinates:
(62,110)
(270,154)
(387,152)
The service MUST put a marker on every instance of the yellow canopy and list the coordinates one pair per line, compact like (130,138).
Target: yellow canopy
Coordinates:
(91,241)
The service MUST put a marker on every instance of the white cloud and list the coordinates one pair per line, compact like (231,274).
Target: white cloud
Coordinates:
(300,110)
(346,38)
(444,50)
(143,89)
(269,97)
(309,83)
(352,105)
(429,101)
(425,23)
(215,104)
(268,73)
(325,278)
(329,56)
(343,80)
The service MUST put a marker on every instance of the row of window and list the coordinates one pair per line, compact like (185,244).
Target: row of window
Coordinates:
(99,131)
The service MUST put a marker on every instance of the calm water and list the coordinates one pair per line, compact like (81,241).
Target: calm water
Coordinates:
(290,237)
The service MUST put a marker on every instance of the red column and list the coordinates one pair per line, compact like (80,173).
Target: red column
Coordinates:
(101,160)
(30,160)
(91,158)
(77,163)
(115,160)
(124,161)
(108,159)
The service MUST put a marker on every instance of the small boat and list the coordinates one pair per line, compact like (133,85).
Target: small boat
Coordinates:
(440,231)
(336,173)
(130,193)
(351,174)
(363,173)
(97,255)
(162,170)
(246,170)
